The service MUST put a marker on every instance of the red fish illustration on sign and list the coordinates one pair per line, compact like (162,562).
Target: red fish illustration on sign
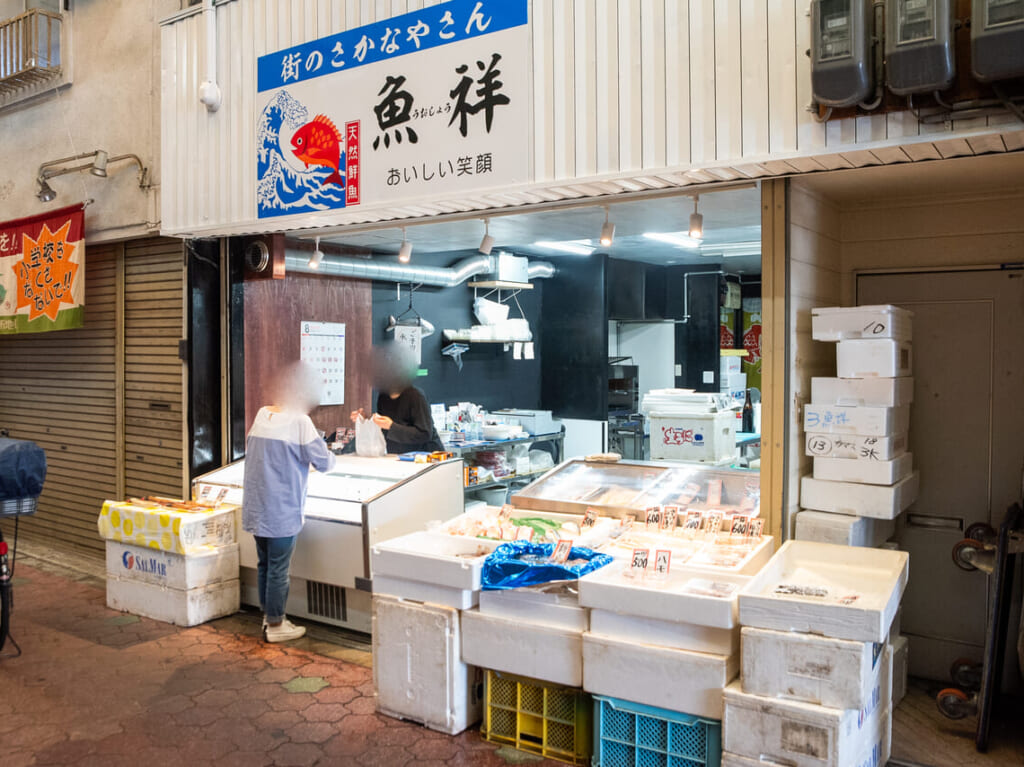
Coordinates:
(318,142)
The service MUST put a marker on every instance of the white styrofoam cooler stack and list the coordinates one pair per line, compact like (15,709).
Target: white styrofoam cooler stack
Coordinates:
(856,424)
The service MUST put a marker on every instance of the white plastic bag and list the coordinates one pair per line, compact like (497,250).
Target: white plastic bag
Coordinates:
(369,439)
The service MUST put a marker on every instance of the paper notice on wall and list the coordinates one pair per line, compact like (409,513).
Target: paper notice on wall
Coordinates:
(322,345)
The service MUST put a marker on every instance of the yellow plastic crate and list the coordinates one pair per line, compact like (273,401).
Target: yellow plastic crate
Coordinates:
(541,718)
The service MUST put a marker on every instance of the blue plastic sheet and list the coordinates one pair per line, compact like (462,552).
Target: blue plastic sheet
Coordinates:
(22,469)
(514,565)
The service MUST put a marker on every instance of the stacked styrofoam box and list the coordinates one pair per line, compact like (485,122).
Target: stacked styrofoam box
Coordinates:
(815,688)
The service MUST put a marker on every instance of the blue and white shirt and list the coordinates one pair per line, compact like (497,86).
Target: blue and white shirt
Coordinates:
(279,450)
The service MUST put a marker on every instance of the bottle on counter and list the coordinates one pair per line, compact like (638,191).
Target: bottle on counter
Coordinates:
(747,422)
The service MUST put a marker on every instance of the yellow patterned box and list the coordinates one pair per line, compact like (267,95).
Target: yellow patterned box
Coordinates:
(168,528)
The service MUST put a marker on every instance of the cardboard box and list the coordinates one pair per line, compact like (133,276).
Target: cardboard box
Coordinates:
(884,358)
(182,607)
(864,470)
(863,392)
(822,445)
(704,437)
(517,646)
(837,323)
(677,634)
(175,571)
(838,591)
(166,528)
(876,501)
(677,680)
(418,672)
(842,529)
(837,673)
(862,421)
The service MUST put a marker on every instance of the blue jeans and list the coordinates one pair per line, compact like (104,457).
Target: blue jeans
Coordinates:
(275,555)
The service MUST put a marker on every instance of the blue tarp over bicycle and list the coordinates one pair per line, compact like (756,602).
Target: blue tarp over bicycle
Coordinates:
(521,563)
(22,469)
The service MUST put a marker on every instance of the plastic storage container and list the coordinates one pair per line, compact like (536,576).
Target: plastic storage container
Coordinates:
(529,715)
(631,734)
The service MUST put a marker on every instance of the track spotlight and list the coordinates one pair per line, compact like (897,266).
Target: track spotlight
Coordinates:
(317,257)
(99,164)
(405,251)
(607,231)
(487,242)
(45,193)
(696,221)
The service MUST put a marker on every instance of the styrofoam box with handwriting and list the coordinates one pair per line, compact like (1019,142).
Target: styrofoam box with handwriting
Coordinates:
(554,608)
(521,647)
(705,437)
(677,680)
(842,529)
(864,470)
(850,419)
(836,323)
(418,672)
(729,364)
(878,501)
(839,591)
(167,528)
(182,607)
(837,673)
(679,635)
(205,565)
(863,392)
(822,445)
(885,358)
(790,732)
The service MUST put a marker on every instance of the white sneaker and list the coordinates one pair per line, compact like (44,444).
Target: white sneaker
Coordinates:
(286,631)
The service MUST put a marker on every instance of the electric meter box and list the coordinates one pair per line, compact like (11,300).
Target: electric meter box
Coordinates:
(997,39)
(841,62)
(919,46)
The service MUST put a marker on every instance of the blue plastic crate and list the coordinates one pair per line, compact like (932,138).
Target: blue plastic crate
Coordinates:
(634,735)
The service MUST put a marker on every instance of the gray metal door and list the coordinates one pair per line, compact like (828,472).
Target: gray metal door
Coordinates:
(967,436)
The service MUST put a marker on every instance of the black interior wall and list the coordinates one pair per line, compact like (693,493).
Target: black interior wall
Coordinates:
(490,376)
(203,355)
(697,339)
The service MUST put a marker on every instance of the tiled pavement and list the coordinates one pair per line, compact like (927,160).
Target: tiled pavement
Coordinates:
(98,687)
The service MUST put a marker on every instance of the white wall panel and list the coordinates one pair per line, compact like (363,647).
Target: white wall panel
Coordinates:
(626,95)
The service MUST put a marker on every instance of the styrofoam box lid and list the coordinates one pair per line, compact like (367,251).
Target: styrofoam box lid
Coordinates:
(438,558)
(684,596)
(835,323)
(844,592)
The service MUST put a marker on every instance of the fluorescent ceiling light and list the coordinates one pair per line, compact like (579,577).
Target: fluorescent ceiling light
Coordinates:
(576,247)
(732,249)
(679,239)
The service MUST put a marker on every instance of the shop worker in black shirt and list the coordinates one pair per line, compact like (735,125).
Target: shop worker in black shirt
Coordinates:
(402,410)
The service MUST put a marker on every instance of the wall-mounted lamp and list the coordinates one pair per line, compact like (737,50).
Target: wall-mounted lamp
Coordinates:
(99,160)
(696,221)
(405,251)
(487,242)
(317,257)
(607,230)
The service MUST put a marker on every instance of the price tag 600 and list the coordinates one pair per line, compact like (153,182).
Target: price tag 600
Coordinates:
(589,518)
(561,553)
(654,517)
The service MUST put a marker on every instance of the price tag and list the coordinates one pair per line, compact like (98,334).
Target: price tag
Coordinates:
(639,561)
(561,553)
(740,526)
(589,518)
(756,527)
(669,517)
(654,518)
(506,512)
(524,533)
(692,523)
(662,561)
(713,523)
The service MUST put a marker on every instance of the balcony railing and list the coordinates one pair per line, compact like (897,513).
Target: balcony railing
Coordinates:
(30,50)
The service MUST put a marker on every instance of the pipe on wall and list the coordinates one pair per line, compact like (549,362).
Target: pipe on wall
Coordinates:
(209,92)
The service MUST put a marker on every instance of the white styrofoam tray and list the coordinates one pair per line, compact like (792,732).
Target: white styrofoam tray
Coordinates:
(865,471)
(865,392)
(520,647)
(201,567)
(835,323)
(824,445)
(877,501)
(182,607)
(837,673)
(842,529)
(854,419)
(885,358)
(838,591)
(684,595)
(418,672)
(550,605)
(679,635)
(430,593)
(432,557)
(677,680)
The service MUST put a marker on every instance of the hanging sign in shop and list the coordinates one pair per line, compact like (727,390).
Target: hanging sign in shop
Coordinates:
(427,103)
(42,272)
(323,347)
